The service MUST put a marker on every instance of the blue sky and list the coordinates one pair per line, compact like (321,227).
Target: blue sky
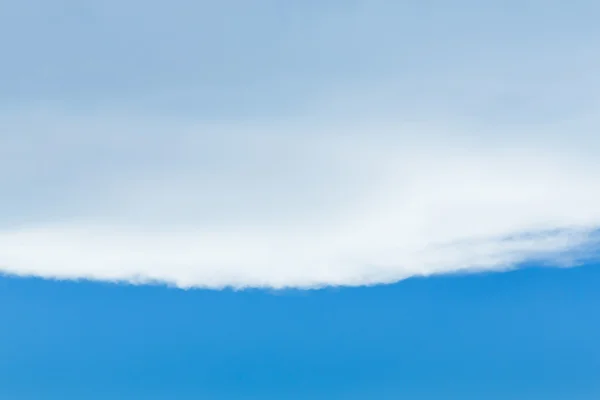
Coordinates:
(285,193)
(526,334)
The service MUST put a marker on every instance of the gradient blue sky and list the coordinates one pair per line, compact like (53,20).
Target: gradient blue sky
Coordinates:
(337,161)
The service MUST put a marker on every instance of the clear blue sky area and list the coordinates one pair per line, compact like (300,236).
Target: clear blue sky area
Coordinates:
(529,334)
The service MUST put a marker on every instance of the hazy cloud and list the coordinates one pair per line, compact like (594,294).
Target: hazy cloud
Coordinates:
(279,146)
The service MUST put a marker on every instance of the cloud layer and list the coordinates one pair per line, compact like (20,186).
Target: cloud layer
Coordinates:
(296,144)
(290,204)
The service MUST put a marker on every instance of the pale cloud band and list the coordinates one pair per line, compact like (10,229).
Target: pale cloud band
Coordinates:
(291,204)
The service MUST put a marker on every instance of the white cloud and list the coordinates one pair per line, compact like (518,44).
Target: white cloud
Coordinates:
(293,204)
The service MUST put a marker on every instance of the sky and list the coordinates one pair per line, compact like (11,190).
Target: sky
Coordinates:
(332,199)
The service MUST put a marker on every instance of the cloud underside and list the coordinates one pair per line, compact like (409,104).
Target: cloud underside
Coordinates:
(218,207)
(189,261)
